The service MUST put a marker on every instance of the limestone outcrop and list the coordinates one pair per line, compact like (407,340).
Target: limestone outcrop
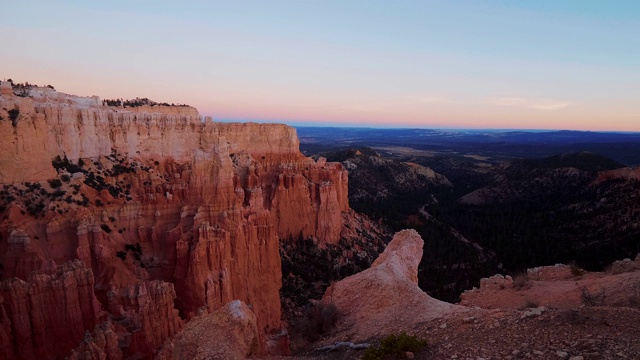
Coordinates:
(385,298)
(169,212)
(561,287)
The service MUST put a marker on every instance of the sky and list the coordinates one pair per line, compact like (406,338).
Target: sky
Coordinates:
(428,64)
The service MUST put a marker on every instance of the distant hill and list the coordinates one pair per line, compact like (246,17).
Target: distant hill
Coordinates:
(395,192)
(513,213)
(375,180)
(622,147)
(584,160)
(555,209)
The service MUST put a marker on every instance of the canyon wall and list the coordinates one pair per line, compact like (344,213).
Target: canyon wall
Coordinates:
(170,216)
(48,313)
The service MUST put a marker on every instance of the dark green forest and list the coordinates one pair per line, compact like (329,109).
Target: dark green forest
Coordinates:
(535,212)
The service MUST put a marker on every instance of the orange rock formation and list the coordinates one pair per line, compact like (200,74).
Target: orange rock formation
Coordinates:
(47,314)
(385,298)
(168,212)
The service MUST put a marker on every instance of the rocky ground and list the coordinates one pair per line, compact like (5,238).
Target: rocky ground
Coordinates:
(582,333)
(504,319)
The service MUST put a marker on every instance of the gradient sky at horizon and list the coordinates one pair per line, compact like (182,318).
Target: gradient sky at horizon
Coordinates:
(434,64)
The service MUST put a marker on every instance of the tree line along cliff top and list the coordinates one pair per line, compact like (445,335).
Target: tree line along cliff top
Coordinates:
(25,90)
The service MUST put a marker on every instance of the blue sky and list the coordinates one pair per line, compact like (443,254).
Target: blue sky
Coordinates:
(502,64)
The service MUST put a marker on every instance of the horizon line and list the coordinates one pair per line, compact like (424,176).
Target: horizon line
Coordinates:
(299,124)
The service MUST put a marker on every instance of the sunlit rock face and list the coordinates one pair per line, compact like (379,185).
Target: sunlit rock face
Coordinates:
(167,214)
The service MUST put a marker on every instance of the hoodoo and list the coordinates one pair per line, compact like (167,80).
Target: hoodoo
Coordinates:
(137,218)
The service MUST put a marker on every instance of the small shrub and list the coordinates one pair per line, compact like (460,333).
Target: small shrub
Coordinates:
(575,269)
(521,281)
(573,317)
(57,162)
(13,115)
(66,178)
(55,183)
(121,254)
(135,249)
(394,346)
(530,304)
(99,202)
(319,319)
(591,299)
(106,228)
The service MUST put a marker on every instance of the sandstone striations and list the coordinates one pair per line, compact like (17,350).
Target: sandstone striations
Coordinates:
(166,212)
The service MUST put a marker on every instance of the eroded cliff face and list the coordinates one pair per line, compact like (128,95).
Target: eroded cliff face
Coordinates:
(167,213)
(47,314)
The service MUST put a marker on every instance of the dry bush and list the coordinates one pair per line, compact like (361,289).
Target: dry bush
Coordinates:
(575,269)
(591,299)
(319,319)
(394,346)
(530,304)
(521,281)
(573,317)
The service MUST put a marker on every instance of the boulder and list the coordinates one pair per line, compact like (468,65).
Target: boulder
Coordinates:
(230,333)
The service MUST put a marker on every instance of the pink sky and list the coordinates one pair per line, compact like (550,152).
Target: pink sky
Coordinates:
(427,64)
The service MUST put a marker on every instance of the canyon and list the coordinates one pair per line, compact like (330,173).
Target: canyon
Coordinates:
(547,312)
(138,230)
(121,224)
